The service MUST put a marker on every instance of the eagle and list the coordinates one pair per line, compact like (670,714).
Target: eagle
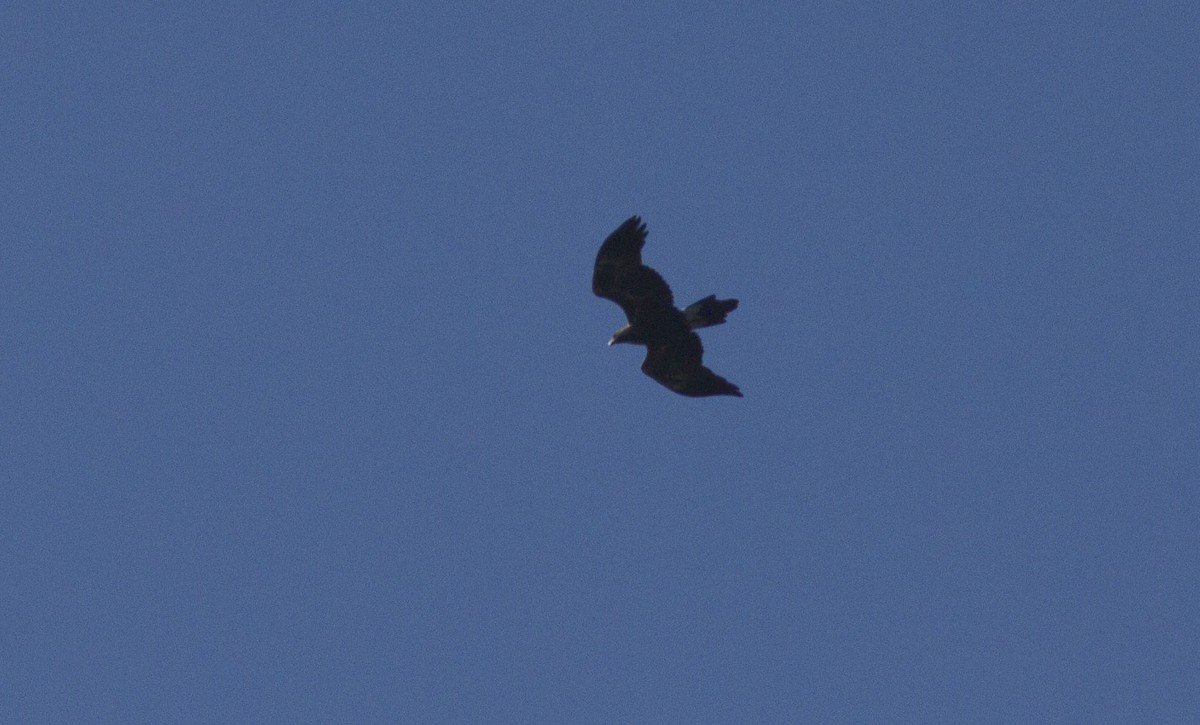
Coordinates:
(673,351)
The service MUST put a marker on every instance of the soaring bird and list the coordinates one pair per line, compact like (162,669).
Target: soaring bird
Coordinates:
(673,351)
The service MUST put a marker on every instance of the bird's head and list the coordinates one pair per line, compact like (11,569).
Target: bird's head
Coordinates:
(621,335)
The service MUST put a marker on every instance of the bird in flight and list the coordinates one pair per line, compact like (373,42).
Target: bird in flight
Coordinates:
(673,351)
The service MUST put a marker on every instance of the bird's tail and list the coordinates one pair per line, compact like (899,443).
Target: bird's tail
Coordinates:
(708,311)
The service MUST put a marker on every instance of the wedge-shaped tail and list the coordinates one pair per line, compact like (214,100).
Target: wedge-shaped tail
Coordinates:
(708,312)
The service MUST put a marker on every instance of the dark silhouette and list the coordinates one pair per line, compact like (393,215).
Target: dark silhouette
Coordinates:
(673,351)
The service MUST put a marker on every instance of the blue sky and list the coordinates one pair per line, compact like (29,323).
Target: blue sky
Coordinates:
(306,413)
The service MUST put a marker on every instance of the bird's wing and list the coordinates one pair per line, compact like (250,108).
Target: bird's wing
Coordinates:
(621,277)
(674,361)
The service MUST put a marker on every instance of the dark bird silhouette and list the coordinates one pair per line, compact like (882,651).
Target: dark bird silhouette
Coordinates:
(673,351)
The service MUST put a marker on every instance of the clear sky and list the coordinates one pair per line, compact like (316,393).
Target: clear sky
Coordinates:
(306,413)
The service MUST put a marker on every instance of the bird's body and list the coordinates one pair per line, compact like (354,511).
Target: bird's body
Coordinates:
(673,350)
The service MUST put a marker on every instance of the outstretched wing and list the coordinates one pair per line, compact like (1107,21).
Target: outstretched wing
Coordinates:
(621,277)
(674,361)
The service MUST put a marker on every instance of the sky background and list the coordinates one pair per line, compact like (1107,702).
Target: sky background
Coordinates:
(306,413)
